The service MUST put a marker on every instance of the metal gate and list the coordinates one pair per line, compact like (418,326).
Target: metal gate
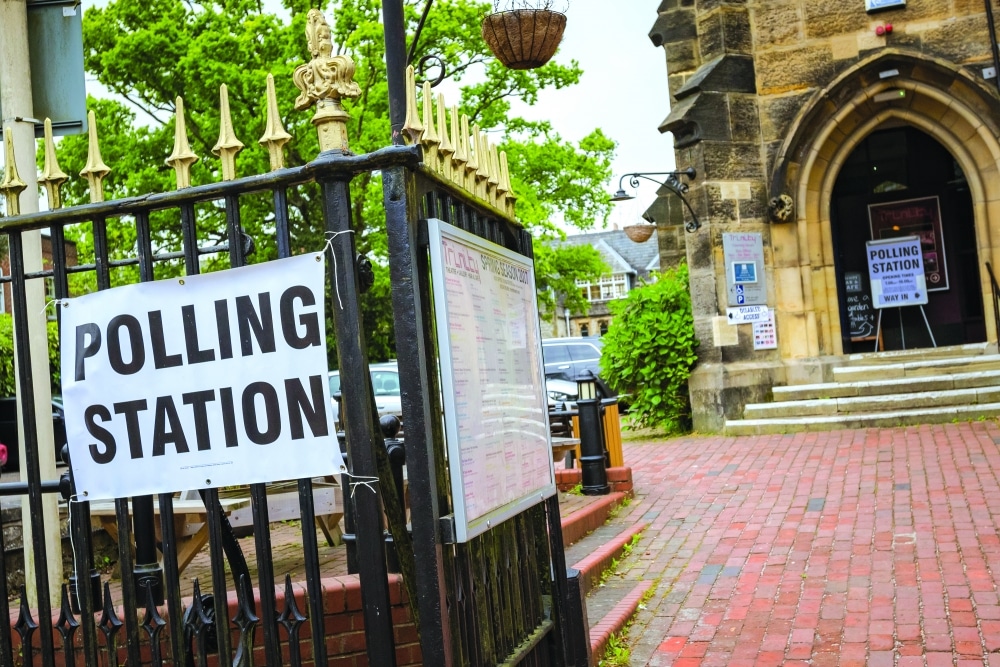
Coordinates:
(498,599)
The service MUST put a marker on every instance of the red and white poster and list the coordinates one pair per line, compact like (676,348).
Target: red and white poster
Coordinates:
(915,217)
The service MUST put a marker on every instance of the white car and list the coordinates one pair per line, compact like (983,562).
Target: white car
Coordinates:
(385,383)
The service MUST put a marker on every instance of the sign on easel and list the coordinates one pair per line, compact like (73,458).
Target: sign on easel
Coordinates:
(896,269)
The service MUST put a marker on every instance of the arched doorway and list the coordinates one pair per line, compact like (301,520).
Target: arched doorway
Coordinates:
(899,181)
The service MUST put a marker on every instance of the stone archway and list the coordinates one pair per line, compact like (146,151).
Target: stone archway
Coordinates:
(944,102)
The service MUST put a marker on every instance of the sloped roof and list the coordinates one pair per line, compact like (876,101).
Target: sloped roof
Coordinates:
(621,253)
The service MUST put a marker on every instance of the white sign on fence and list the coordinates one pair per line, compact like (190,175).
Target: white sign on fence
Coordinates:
(896,269)
(203,381)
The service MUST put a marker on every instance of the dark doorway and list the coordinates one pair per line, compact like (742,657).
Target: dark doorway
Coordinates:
(903,171)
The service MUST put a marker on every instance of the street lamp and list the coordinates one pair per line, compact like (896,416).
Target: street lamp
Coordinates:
(672,183)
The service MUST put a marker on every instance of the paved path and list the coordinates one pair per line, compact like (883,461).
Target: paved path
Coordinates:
(872,547)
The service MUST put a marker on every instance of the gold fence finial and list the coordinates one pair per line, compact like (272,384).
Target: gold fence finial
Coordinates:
(52,176)
(461,154)
(446,149)
(95,170)
(509,196)
(275,136)
(430,138)
(412,128)
(182,158)
(228,145)
(325,81)
(12,186)
(472,163)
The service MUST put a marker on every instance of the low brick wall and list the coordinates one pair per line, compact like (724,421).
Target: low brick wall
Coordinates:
(343,626)
(619,479)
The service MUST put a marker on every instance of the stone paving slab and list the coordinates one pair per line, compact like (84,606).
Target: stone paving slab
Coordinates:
(863,547)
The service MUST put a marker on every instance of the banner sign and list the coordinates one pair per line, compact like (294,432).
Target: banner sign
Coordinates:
(492,379)
(915,217)
(896,270)
(196,382)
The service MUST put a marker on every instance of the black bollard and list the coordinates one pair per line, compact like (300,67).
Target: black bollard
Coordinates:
(593,463)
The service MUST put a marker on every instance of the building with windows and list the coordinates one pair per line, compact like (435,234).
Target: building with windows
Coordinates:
(630,262)
(829,131)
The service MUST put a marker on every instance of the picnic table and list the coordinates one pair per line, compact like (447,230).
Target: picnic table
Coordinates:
(190,523)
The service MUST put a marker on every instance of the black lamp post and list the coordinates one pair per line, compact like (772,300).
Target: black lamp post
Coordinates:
(672,183)
(592,462)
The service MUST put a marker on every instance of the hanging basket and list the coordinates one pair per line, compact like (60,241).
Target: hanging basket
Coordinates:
(524,38)
(640,233)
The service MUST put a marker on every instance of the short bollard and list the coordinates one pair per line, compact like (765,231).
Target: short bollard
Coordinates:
(593,463)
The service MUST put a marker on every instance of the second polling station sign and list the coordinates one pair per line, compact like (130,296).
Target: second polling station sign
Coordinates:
(202,381)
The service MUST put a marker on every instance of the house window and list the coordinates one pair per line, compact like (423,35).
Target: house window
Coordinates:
(584,329)
(607,288)
(603,325)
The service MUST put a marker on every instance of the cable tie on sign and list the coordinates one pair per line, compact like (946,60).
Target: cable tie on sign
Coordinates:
(330,236)
(57,302)
(367,482)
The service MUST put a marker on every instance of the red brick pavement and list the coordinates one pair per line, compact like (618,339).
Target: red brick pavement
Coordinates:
(869,547)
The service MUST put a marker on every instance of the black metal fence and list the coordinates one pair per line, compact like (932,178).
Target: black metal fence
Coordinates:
(495,600)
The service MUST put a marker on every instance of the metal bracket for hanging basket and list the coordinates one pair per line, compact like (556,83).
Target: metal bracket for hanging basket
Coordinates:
(524,38)
(639,232)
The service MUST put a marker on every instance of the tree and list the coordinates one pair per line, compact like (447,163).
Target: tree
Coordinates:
(149,52)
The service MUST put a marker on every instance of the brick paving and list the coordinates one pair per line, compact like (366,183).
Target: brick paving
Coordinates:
(865,547)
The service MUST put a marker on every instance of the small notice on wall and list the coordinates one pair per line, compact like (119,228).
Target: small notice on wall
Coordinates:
(876,5)
(765,336)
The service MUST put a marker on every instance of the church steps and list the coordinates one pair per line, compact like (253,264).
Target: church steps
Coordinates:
(918,368)
(940,415)
(971,379)
(877,403)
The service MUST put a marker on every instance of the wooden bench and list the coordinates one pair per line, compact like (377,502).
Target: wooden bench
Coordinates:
(562,445)
(190,523)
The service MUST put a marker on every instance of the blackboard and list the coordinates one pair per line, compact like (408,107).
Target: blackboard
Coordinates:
(861,315)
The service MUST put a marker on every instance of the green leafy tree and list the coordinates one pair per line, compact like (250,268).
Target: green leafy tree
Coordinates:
(150,52)
(650,349)
(8,381)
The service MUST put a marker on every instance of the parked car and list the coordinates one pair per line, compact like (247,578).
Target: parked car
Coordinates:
(385,383)
(567,358)
(9,429)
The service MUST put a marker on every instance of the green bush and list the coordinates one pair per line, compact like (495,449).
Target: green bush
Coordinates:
(649,351)
(8,381)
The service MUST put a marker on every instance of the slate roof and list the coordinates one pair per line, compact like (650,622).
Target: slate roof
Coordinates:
(621,253)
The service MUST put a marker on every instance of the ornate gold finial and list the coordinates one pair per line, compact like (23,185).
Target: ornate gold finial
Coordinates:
(509,196)
(182,158)
(472,163)
(228,145)
(482,160)
(446,149)
(96,170)
(430,138)
(461,154)
(12,186)
(52,176)
(325,81)
(275,136)
(412,128)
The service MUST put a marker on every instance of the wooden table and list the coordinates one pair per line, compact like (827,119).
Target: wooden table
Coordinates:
(562,445)
(190,523)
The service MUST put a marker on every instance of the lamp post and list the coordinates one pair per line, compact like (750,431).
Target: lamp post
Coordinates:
(593,465)
(672,183)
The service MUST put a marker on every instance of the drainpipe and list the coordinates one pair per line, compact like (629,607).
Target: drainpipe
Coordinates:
(993,43)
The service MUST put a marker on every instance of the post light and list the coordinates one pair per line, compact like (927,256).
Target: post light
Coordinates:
(593,464)
(672,183)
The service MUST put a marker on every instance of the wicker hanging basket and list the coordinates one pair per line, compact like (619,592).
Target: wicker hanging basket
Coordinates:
(639,232)
(524,38)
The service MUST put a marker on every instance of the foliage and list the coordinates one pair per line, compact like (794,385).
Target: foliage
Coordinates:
(557,268)
(150,52)
(8,380)
(650,348)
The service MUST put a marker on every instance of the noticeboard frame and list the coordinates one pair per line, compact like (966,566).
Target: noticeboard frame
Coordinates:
(467,527)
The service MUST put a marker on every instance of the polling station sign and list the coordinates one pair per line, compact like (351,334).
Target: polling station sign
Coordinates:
(202,381)
(896,269)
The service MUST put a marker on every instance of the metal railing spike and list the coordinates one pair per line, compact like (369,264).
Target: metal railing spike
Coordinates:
(12,186)
(228,145)
(275,137)
(95,169)
(182,157)
(52,176)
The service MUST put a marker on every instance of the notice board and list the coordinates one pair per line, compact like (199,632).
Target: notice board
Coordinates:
(492,379)
(743,254)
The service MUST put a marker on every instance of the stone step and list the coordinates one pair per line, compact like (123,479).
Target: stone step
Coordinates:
(873,403)
(918,368)
(890,418)
(900,356)
(610,609)
(880,387)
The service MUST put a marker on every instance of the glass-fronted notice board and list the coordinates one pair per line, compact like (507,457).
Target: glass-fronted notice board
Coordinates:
(492,379)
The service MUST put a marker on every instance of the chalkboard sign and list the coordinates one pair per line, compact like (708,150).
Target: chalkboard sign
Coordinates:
(861,315)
